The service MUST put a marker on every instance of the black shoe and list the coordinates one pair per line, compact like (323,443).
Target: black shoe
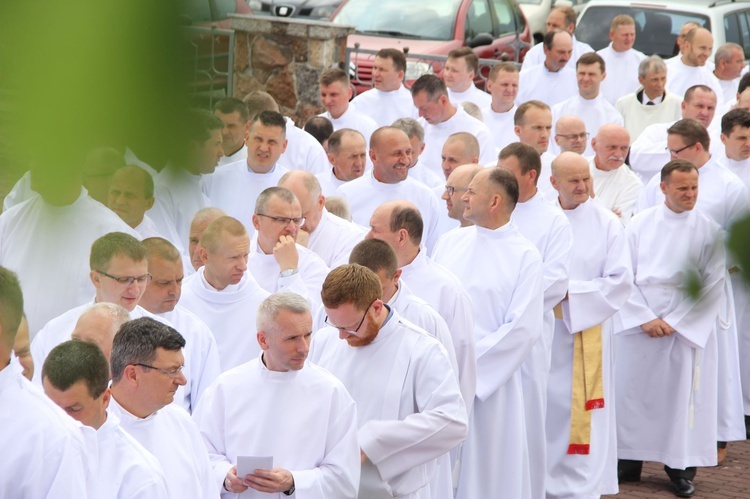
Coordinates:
(682,487)
(624,477)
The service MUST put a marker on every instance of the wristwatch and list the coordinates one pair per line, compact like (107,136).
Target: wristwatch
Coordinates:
(290,491)
(288,272)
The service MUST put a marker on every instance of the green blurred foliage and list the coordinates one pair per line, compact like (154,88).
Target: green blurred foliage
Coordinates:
(79,75)
(739,244)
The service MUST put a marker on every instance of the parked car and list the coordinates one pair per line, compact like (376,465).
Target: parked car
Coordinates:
(313,9)
(495,29)
(658,24)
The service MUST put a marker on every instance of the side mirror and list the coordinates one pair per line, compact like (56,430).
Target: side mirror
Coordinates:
(480,40)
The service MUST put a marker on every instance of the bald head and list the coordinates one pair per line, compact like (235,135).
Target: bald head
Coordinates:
(459,149)
(306,187)
(391,154)
(571,178)
(199,223)
(99,324)
(457,182)
(610,146)
(699,43)
(400,224)
(570,134)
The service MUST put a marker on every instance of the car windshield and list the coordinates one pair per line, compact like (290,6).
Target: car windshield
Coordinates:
(432,20)
(656,30)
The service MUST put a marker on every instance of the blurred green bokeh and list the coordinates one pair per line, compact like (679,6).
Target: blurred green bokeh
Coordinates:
(739,245)
(78,75)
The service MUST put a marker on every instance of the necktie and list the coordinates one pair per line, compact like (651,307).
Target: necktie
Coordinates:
(650,103)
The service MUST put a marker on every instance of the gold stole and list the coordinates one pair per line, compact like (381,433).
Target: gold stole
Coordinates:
(588,388)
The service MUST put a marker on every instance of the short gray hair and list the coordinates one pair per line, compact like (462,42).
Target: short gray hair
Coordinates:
(410,127)
(726,51)
(270,308)
(652,63)
(261,204)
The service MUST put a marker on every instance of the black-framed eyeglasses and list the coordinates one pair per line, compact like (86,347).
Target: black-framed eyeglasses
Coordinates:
(172,373)
(678,151)
(450,189)
(298,221)
(128,280)
(346,330)
(574,136)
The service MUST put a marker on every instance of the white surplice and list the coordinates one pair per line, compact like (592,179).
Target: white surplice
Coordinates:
(48,247)
(351,118)
(472,94)
(617,189)
(303,151)
(638,116)
(502,273)
(304,419)
(501,125)
(666,387)
(20,192)
(328,182)
(648,154)
(422,173)
(622,72)
(680,77)
(409,407)
(535,55)
(366,193)
(539,83)
(436,135)
(239,155)
(333,239)
(600,282)
(173,438)
(230,315)
(594,113)
(202,362)
(441,288)
(122,468)
(386,107)
(235,188)
(147,228)
(44,454)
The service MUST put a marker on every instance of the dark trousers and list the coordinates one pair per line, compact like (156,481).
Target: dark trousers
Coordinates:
(633,468)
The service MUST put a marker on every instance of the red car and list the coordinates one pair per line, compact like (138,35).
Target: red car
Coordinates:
(495,29)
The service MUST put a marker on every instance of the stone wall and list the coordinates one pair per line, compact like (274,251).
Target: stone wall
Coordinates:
(285,57)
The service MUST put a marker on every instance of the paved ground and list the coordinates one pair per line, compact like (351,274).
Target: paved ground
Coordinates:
(729,481)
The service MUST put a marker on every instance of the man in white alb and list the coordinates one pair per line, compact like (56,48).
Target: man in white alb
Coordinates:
(455,187)
(197,226)
(571,134)
(335,93)
(233,113)
(76,378)
(533,126)
(729,66)
(507,300)
(99,324)
(223,294)
(330,237)
(502,84)
(441,118)
(651,103)
(461,67)
(460,148)
(589,105)
(560,18)
(667,336)
(146,365)
(347,154)
(417,169)
(554,80)
(161,298)
(390,152)
(389,99)
(580,425)
(410,412)
(621,58)
(55,441)
(234,188)
(689,68)
(615,184)
(131,195)
(293,411)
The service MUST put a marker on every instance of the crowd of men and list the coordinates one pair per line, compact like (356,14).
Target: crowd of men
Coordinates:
(420,295)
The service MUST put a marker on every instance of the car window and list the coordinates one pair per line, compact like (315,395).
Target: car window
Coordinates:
(401,18)
(656,30)
(506,20)
(478,19)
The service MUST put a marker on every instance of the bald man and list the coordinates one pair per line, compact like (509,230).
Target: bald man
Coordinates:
(347,154)
(570,134)
(390,152)
(331,237)
(615,184)
(690,67)
(99,324)
(581,441)
(459,149)
(455,188)
(199,223)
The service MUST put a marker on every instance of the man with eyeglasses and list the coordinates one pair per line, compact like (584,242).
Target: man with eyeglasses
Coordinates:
(410,409)
(330,237)
(507,298)
(589,105)
(615,184)
(222,293)
(119,272)
(724,198)
(454,190)
(291,409)
(146,365)
(76,378)
(571,134)
(234,187)
(548,229)
(161,298)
